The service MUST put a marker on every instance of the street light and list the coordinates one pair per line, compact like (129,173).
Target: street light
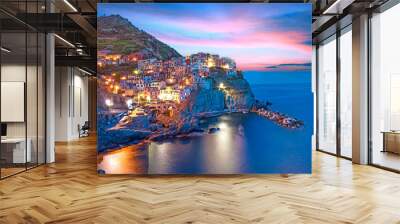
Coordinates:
(109,103)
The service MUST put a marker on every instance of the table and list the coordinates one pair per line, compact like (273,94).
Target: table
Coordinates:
(391,141)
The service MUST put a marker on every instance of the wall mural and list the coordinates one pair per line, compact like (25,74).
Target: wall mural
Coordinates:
(188,88)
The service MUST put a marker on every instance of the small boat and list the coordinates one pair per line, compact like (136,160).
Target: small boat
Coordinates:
(213,130)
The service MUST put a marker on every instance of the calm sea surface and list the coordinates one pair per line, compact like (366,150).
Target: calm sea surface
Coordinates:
(246,143)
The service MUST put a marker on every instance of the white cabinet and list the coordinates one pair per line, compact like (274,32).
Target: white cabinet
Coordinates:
(17,147)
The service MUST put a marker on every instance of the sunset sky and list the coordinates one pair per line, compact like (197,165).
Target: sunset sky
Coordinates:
(257,36)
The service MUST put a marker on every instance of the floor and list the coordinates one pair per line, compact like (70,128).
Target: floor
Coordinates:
(70,191)
(387,159)
(8,171)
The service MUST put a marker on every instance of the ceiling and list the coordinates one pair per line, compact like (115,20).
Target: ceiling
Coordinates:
(332,15)
(74,21)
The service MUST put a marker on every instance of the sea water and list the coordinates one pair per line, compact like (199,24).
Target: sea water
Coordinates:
(245,143)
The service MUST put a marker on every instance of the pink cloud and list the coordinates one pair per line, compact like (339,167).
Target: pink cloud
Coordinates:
(290,41)
(240,23)
(240,33)
(217,26)
(285,40)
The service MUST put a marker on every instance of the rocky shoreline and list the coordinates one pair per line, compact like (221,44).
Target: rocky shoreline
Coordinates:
(116,136)
(126,136)
(283,120)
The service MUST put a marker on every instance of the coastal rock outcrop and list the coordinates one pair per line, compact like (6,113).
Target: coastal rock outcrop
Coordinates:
(225,94)
(207,101)
(240,97)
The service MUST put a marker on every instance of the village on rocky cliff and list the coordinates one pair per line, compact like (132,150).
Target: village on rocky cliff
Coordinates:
(152,83)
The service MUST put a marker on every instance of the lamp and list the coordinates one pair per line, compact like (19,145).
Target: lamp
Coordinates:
(70,5)
(64,40)
(5,50)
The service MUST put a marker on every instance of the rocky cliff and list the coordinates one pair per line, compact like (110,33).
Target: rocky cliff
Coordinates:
(203,100)
(240,95)
(236,95)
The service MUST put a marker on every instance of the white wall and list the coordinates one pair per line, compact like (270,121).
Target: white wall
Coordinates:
(71,102)
(80,110)
(61,104)
(13,73)
(33,126)
(17,73)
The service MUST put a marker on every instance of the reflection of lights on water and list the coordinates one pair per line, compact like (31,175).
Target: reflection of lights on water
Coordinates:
(162,156)
(225,118)
(223,136)
(223,156)
(121,161)
(163,149)
(112,162)
(222,125)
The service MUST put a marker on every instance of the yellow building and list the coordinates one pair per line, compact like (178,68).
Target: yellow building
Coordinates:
(169,94)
